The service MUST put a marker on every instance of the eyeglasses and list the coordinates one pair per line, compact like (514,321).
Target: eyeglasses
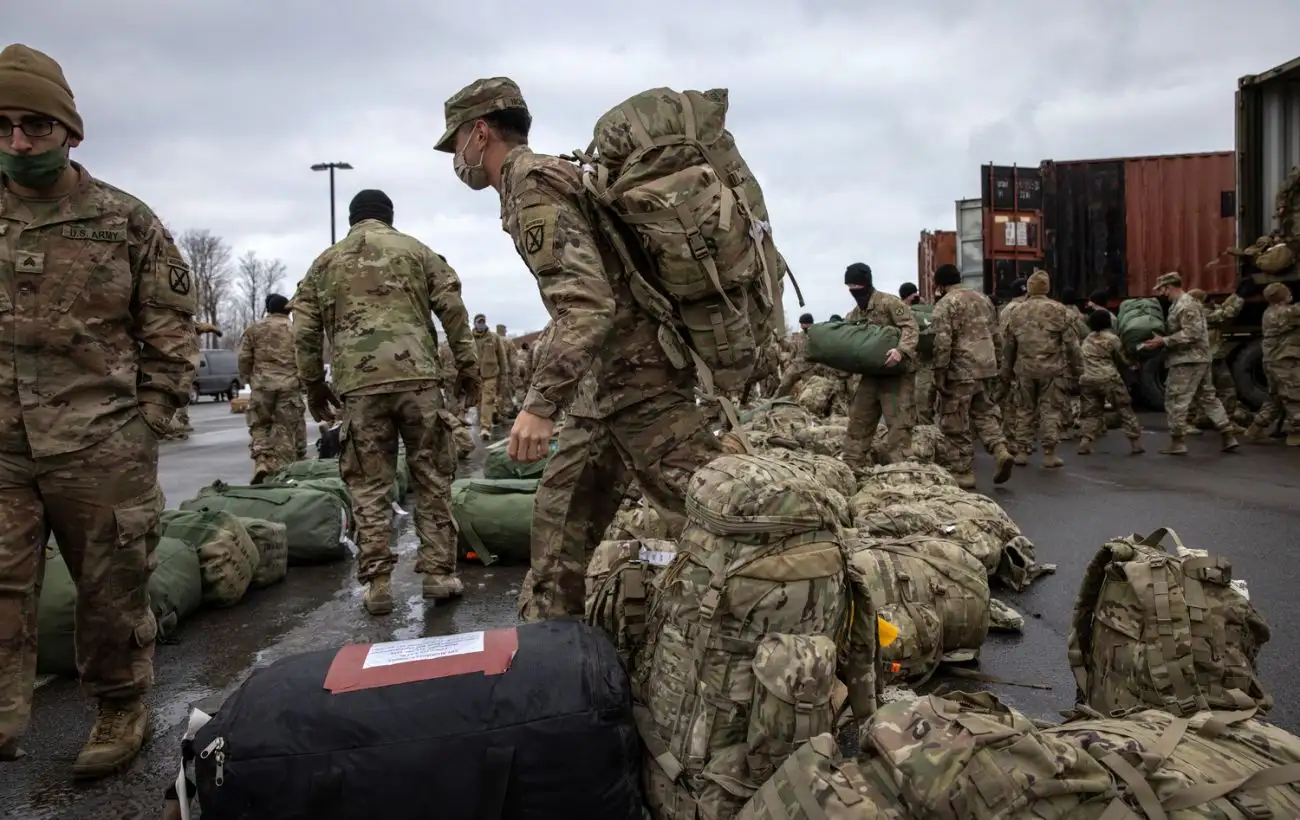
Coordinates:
(32,128)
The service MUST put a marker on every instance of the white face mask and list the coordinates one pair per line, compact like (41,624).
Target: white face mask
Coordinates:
(474,176)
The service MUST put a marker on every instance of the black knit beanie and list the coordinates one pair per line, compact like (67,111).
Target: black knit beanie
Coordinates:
(370,204)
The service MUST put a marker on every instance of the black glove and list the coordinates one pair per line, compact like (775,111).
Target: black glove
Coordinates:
(321,401)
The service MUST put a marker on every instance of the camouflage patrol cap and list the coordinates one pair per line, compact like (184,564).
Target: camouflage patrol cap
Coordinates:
(1169,279)
(473,101)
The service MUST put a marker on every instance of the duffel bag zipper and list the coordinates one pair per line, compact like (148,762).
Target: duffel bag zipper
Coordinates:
(215,750)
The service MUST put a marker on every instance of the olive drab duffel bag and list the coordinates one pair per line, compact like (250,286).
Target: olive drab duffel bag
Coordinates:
(854,347)
(749,620)
(318,522)
(494,518)
(666,170)
(524,722)
(175,593)
(1165,631)
(227,555)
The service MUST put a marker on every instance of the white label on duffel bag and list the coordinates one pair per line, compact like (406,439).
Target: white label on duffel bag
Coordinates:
(422,649)
(656,558)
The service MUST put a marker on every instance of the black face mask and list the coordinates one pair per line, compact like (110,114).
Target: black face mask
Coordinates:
(862,296)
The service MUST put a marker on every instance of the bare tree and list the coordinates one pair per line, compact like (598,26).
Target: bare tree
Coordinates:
(209,260)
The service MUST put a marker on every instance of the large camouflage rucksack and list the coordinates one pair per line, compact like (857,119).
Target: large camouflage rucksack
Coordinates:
(620,593)
(1151,629)
(818,783)
(1213,765)
(749,618)
(933,591)
(703,263)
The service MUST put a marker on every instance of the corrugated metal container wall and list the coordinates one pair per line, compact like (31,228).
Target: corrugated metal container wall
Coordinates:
(934,249)
(970,238)
(1180,216)
(1268,145)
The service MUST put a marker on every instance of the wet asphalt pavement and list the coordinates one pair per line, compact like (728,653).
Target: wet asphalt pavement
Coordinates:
(1242,506)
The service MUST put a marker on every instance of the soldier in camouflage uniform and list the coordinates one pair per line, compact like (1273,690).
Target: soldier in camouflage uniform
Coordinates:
(1187,352)
(508,382)
(1102,353)
(965,367)
(1040,356)
(371,294)
(889,396)
(96,322)
(1215,320)
(493,367)
(646,415)
(1281,331)
(267,365)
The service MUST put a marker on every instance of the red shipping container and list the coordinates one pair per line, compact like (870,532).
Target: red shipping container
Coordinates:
(934,249)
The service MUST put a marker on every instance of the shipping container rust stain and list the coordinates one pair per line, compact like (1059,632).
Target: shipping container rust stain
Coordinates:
(934,249)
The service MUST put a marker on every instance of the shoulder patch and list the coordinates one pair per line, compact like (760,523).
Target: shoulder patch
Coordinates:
(537,236)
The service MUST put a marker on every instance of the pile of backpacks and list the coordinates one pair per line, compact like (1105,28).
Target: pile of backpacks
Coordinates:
(218,546)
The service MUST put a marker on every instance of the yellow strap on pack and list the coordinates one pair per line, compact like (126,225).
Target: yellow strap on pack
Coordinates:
(887,632)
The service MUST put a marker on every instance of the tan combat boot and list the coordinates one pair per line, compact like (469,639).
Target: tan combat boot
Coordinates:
(1004,462)
(379,595)
(1050,459)
(1136,446)
(1256,433)
(115,739)
(1085,447)
(442,587)
(965,480)
(1177,447)
(1229,440)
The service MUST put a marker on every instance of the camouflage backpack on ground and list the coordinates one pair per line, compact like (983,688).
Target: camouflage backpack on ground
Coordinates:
(748,619)
(620,595)
(1170,632)
(817,783)
(1213,765)
(704,264)
(968,757)
(916,583)
(228,558)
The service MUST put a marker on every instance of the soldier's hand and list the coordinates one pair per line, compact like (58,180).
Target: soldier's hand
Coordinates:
(530,437)
(468,386)
(158,417)
(321,401)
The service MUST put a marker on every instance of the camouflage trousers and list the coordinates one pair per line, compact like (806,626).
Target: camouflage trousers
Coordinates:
(1093,397)
(277,430)
(1190,387)
(487,405)
(659,442)
(102,504)
(372,426)
(1283,396)
(891,397)
(963,407)
(1040,411)
(925,395)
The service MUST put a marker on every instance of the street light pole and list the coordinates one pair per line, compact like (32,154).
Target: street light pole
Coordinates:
(330,166)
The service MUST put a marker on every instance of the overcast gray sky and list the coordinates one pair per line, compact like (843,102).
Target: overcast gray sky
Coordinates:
(863,127)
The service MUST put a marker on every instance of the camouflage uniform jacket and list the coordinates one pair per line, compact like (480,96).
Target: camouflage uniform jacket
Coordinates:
(491,355)
(371,294)
(1040,341)
(964,324)
(887,310)
(1281,329)
(548,215)
(1103,356)
(266,355)
(1188,341)
(96,318)
(1217,318)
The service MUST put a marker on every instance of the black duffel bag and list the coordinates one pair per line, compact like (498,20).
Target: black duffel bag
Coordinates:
(430,728)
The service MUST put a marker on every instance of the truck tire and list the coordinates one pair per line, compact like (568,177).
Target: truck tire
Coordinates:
(1248,374)
(1151,382)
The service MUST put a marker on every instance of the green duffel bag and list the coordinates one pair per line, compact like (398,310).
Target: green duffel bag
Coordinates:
(498,463)
(272,542)
(1138,320)
(227,555)
(853,347)
(175,593)
(314,469)
(924,315)
(494,517)
(318,521)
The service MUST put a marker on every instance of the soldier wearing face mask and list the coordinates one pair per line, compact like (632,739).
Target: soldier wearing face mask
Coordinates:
(889,396)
